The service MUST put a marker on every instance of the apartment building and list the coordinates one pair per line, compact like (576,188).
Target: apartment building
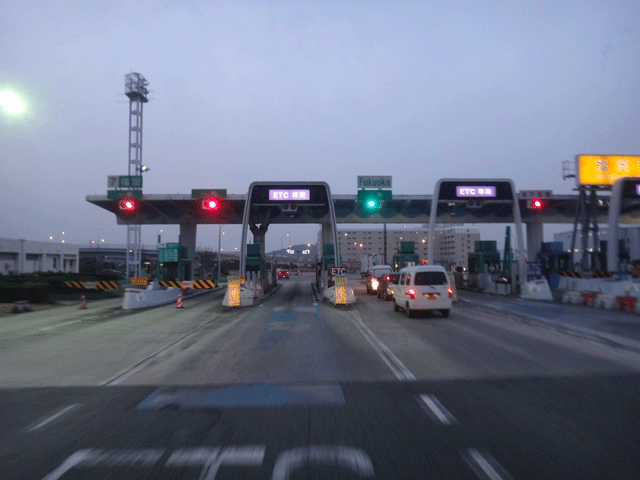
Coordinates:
(451,244)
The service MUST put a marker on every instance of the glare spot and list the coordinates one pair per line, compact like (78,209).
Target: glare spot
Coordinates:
(11,102)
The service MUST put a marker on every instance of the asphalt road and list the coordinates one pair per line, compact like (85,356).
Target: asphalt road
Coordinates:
(294,388)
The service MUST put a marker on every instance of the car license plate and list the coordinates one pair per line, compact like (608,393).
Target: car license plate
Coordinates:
(431,296)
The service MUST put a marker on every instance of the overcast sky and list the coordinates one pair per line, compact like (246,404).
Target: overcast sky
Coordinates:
(304,90)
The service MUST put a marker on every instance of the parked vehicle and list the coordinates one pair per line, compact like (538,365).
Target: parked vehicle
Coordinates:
(423,288)
(387,285)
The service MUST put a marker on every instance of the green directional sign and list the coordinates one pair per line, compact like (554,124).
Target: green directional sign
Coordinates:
(169,253)
(125,181)
(115,194)
(218,192)
(380,195)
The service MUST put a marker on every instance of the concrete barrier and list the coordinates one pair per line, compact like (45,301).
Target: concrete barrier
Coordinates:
(537,290)
(571,297)
(588,298)
(239,296)
(151,296)
(627,304)
(606,301)
(330,294)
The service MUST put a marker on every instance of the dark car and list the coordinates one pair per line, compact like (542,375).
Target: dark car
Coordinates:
(283,273)
(387,285)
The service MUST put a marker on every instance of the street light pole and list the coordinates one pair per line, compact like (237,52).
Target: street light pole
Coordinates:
(285,235)
(220,225)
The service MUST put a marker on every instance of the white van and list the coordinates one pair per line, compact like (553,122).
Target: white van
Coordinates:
(423,287)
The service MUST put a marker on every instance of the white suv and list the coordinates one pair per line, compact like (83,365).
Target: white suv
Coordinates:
(422,288)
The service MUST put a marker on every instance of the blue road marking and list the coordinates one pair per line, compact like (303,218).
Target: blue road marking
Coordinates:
(263,395)
(288,316)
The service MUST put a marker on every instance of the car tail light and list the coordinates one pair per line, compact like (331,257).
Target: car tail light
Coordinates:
(374,283)
(450,290)
(412,293)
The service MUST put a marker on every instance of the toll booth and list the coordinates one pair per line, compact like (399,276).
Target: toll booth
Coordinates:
(324,266)
(553,261)
(405,257)
(271,203)
(483,262)
(254,261)
(488,198)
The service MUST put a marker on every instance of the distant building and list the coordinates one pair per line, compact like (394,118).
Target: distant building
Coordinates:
(19,256)
(452,245)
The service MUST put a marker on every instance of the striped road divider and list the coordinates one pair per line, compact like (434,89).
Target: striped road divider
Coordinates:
(197,284)
(100,285)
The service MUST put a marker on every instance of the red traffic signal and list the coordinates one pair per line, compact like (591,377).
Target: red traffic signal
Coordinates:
(536,204)
(128,205)
(210,204)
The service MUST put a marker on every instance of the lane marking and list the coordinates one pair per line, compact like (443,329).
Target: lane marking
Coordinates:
(397,367)
(212,458)
(136,367)
(438,410)
(345,457)
(484,465)
(61,324)
(111,458)
(53,417)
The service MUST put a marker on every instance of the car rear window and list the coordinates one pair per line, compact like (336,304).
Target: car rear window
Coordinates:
(393,278)
(430,278)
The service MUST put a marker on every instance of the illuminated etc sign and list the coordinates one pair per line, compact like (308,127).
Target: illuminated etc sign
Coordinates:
(289,195)
(474,192)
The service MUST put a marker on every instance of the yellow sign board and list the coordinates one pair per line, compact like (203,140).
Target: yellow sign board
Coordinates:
(452,281)
(233,291)
(341,289)
(606,169)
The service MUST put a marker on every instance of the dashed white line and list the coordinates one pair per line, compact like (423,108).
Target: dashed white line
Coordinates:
(437,410)
(51,418)
(484,465)
(61,324)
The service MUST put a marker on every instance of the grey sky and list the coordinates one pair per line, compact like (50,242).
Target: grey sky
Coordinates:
(246,91)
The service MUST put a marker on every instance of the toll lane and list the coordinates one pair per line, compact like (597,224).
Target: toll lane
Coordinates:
(475,343)
(288,338)
(89,347)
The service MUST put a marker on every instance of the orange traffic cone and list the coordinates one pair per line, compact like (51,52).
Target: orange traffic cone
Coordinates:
(179,304)
(83,303)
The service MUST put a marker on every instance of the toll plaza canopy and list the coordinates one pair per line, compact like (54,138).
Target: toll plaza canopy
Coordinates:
(184,209)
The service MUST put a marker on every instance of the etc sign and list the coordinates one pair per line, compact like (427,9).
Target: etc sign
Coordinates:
(475,192)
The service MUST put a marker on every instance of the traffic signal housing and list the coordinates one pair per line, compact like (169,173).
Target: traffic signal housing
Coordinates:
(211,205)
(537,204)
(371,200)
(372,203)
(210,208)
(128,206)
